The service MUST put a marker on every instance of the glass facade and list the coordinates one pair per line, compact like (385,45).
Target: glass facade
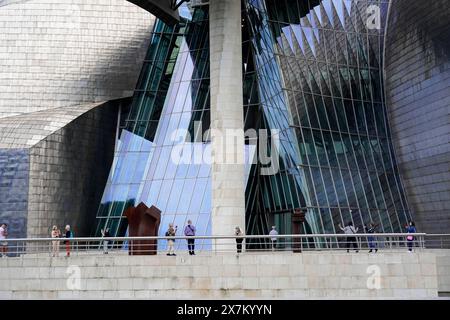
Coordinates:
(172,93)
(312,71)
(320,78)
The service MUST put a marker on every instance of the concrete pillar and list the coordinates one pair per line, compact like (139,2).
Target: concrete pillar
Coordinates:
(227,123)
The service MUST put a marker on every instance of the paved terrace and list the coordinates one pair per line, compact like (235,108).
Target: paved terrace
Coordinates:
(391,273)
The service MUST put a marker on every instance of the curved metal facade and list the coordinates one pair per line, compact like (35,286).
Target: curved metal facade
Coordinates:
(69,52)
(417,90)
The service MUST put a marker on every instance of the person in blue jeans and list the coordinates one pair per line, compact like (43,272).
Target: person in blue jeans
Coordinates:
(370,228)
(410,228)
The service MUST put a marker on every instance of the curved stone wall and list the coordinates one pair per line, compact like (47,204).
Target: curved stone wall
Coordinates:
(53,167)
(417,68)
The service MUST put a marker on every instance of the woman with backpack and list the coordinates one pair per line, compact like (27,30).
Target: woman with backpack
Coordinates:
(410,228)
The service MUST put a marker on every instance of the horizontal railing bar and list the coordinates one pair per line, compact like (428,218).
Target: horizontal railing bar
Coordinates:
(340,235)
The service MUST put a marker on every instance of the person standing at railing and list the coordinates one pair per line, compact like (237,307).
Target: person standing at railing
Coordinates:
(370,228)
(56,234)
(351,240)
(273,232)
(189,231)
(238,232)
(105,234)
(410,228)
(68,235)
(3,242)
(171,232)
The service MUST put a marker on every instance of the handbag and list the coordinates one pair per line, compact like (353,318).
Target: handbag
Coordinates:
(409,238)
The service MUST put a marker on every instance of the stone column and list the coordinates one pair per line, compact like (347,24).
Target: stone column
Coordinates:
(227,123)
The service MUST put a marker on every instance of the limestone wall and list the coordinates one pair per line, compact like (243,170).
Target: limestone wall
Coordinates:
(443,272)
(227,170)
(263,276)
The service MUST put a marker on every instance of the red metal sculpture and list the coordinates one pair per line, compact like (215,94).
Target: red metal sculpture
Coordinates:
(143,221)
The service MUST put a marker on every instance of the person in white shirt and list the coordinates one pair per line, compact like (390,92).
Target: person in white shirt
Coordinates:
(273,232)
(349,229)
(3,243)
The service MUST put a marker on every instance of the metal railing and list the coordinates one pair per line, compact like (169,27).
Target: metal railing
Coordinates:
(223,244)
(437,241)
